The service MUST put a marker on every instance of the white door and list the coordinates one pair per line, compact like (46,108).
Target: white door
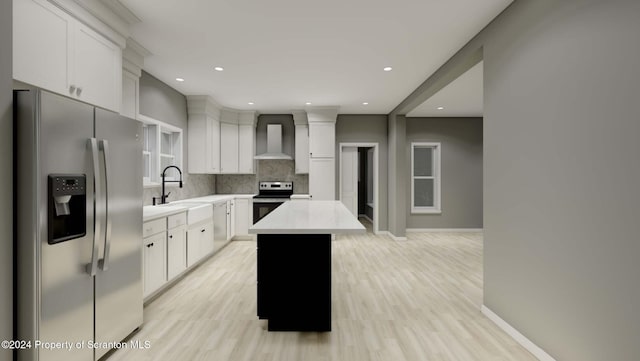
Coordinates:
(349,179)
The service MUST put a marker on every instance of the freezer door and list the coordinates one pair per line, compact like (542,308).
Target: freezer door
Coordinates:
(55,293)
(118,283)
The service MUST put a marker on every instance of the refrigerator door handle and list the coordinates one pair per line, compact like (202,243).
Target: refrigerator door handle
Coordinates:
(92,144)
(104,262)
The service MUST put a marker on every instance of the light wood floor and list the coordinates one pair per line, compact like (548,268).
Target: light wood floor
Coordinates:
(392,301)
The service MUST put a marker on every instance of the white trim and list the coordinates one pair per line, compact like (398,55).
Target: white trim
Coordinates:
(451,230)
(539,353)
(395,238)
(376,177)
(437,179)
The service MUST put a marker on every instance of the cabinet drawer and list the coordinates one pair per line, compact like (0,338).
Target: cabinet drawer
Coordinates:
(153,227)
(176,220)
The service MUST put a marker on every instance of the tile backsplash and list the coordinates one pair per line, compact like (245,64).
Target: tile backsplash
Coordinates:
(194,185)
(268,170)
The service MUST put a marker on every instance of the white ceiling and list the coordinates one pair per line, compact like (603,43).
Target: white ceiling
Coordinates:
(460,98)
(281,54)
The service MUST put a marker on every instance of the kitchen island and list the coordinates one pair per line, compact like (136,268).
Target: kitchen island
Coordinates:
(294,263)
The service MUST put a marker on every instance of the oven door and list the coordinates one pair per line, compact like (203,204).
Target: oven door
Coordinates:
(261,209)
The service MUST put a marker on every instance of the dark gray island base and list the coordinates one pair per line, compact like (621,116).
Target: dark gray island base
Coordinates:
(294,281)
(294,263)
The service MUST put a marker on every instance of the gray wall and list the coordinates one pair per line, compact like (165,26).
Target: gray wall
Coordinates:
(397,175)
(6,164)
(461,171)
(161,102)
(562,175)
(373,129)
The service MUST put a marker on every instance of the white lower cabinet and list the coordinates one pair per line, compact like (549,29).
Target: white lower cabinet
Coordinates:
(243,217)
(176,251)
(199,242)
(154,248)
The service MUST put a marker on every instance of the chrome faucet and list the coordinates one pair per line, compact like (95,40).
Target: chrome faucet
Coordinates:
(163,196)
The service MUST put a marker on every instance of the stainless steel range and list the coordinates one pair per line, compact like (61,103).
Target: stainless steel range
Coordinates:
(270,196)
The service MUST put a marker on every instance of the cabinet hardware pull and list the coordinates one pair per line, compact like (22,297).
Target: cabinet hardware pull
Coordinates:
(202,230)
(72,88)
(78,91)
(150,245)
(171,236)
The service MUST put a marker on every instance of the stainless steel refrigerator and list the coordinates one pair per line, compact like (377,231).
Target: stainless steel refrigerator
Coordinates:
(78,205)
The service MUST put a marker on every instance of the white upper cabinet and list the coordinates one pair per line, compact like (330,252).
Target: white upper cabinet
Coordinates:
(302,149)
(41,53)
(98,69)
(54,51)
(221,140)
(228,148)
(130,95)
(203,132)
(322,140)
(246,148)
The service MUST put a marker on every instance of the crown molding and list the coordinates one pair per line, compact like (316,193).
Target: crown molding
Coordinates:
(322,114)
(133,57)
(300,117)
(121,11)
(97,16)
(203,105)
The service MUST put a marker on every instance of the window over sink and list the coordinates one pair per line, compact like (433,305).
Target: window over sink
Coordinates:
(162,146)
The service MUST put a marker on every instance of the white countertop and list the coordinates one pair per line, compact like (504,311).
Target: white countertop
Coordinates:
(312,217)
(150,213)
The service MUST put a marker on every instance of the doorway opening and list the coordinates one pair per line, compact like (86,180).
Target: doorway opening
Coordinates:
(358,182)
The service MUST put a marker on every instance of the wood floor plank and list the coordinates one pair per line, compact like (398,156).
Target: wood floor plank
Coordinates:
(411,300)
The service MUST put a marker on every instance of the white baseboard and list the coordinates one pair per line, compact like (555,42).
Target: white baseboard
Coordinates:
(539,353)
(449,230)
(387,233)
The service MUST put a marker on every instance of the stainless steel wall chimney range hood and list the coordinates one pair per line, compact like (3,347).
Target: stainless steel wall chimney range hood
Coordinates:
(274,144)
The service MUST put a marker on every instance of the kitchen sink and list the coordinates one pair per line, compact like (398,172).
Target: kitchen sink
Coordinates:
(196,211)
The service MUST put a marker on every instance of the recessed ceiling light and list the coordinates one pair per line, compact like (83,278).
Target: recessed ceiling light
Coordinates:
(365,103)
(387,68)
(179,79)
(250,103)
(440,108)
(308,103)
(218,68)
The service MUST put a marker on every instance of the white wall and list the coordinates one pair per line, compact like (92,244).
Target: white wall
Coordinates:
(6,164)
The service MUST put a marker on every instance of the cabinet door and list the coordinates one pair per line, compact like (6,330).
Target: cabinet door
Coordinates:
(206,234)
(246,148)
(302,149)
(97,69)
(130,93)
(198,131)
(242,217)
(322,140)
(228,148)
(194,246)
(231,219)
(322,179)
(176,251)
(41,34)
(154,263)
(213,145)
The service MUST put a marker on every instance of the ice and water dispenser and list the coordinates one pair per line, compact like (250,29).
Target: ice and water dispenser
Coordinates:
(67,213)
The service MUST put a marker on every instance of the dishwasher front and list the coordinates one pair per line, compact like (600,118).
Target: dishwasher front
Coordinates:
(220,225)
